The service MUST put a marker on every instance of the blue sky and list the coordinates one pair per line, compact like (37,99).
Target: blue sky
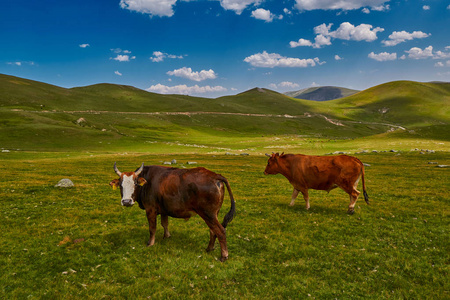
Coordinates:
(212,48)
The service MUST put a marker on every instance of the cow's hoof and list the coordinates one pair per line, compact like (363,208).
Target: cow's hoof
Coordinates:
(351,211)
(149,244)
(223,258)
(210,249)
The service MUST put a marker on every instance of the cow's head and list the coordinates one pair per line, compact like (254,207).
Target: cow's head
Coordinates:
(272,164)
(129,183)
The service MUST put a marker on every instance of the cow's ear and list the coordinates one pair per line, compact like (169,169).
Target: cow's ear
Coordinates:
(141,181)
(114,184)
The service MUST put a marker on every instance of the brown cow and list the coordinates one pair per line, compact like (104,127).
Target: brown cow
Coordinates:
(178,193)
(319,173)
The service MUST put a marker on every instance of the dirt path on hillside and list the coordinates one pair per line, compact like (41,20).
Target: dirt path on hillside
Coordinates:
(193,113)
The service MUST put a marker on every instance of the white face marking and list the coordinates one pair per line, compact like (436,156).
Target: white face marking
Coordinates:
(127,187)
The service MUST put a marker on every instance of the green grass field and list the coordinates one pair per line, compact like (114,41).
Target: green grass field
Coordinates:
(81,243)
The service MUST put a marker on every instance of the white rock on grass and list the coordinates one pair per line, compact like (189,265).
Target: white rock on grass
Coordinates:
(65,183)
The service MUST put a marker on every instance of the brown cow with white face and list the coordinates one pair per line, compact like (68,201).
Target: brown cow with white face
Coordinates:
(319,173)
(178,193)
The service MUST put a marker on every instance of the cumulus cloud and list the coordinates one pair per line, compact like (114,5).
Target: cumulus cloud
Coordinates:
(337,57)
(124,58)
(237,5)
(384,56)
(284,85)
(159,56)
(417,53)
(118,73)
(426,7)
(398,37)
(185,90)
(363,32)
(263,14)
(271,60)
(84,45)
(162,8)
(346,31)
(195,76)
(333,5)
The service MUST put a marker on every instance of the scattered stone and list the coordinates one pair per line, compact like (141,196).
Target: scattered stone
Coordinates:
(374,151)
(82,122)
(191,163)
(167,163)
(442,166)
(5,151)
(174,161)
(393,150)
(228,153)
(339,152)
(432,163)
(245,154)
(65,183)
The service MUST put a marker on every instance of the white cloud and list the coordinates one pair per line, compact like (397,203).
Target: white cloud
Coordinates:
(366,10)
(195,76)
(346,31)
(284,85)
(448,7)
(184,89)
(363,32)
(263,14)
(123,58)
(384,56)
(426,7)
(417,53)
(162,8)
(301,42)
(441,55)
(398,37)
(439,64)
(321,40)
(342,4)
(159,56)
(237,5)
(337,57)
(21,63)
(84,45)
(271,60)
(118,73)
(381,7)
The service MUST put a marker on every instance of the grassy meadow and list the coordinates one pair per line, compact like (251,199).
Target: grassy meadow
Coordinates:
(81,243)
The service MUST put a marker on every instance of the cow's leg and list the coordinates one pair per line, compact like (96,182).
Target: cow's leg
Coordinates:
(306,197)
(353,193)
(151,217)
(212,241)
(165,225)
(294,196)
(216,230)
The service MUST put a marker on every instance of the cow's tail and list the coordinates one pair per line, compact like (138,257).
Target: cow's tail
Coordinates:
(230,215)
(366,197)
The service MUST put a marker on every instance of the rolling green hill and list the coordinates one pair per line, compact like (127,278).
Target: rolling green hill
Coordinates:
(39,116)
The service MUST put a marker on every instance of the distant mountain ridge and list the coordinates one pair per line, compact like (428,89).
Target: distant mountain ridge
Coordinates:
(322,93)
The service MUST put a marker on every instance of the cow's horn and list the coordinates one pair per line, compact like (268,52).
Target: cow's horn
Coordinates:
(117,170)
(267,155)
(138,171)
